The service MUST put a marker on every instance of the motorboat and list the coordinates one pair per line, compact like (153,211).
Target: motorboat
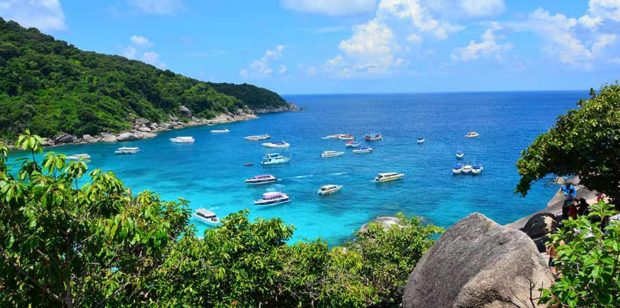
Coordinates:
(274,159)
(346,137)
(362,150)
(273,198)
(421,140)
(257,137)
(373,137)
(388,176)
(335,136)
(328,189)
(460,154)
(476,169)
(81,156)
(467,169)
(207,217)
(183,139)
(127,150)
(277,145)
(352,144)
(261,179)
(220,131)
(457,169)
(327,154)
(472,134)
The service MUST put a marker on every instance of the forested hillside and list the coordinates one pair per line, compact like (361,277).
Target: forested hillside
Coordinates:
(50,86)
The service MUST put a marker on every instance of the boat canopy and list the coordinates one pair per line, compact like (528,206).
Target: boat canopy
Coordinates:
(205,213)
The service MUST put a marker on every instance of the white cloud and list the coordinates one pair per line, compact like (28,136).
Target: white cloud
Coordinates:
(261,68)
(420,17)
(480,8)
(331,7)
(487,46)
(141,41)
(157,7)
(605,9)
(46,15)
(138,50)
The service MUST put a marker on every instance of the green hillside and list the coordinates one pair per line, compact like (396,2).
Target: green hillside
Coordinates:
(50,86)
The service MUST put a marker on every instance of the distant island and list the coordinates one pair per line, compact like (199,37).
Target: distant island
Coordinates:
(68,95)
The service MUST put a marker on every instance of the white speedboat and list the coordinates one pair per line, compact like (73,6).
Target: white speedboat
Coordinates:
(373,137)
(335,136)
(472,134)
(421,140)
(277,145)
(183,139)
(346,137)
(274,159)
(327,154)
(457,169)
(467,169)
(220,131)
(207,217)
(273,198)
(352,144)
(261,179)
(388,176)
(257,137)
(476,169)
(127,150)
(460,154)
(328,189)
(81,156)
(362,150)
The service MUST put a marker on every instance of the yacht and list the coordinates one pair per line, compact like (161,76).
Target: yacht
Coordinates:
(327,154)
(467,169)
(183,139)
(362,150)
(457,169)
(257,137)
(127,150)
(277,145)
(81,156)
(274,159)
(460,154)
(472,134)
(476,169)
(421,140)
(328,189)
(207,217)
(373,137)
(220,131)
(261,179)
(273,198)
(388,176)
(352,144)
(346,137)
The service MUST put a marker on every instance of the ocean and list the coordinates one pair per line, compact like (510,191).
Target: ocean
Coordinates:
(210,173)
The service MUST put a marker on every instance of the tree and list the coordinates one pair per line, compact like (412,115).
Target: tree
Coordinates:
(583,142)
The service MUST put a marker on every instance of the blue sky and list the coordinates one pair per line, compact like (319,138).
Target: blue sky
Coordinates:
(350,46)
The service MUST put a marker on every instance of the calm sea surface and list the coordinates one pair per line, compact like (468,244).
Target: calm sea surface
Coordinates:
(210,173)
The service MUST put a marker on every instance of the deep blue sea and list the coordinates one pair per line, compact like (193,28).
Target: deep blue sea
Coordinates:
(210,172)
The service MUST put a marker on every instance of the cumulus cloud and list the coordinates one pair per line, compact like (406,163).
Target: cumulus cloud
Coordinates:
(486,47)
(261,68)
(480,8)
(139,49)
(157,7)
(331,7)
(141,41)
(46,15)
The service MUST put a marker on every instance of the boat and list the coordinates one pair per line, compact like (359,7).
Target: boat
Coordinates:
(261,179)
(183,139)
(335,136)
(373,137)
(273,198)
(460,154)
(352,144)
(363,150)
(328,189)
(257,137)
(327,154)
(472,134)
(277,145)
(457,169)
(346,137)
(467,169)
(476,169)
(220,131)
(207,217)
(248,164)
(274,159)
(127,150)
(81,156)
(421,140)
(388,176)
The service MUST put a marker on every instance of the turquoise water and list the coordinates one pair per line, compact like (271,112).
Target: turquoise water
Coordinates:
(210,173)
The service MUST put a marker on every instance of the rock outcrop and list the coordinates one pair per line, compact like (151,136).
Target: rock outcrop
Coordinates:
(185,111)
(64,138)
(90,139)
(385,222)
(478,263)
(127,137)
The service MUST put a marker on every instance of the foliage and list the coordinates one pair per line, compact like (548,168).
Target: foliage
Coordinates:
(588,260)
(72,237)
(50,87)
(584,142)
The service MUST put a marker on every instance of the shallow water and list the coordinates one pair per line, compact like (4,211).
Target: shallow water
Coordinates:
(210,172)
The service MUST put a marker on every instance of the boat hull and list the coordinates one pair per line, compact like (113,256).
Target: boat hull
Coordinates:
(271,202)
(389,179)
(249,182)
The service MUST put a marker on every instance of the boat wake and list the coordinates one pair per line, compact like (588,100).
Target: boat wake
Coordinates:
(339,173)
(304,176)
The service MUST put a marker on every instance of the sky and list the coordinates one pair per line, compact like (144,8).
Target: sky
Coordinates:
(350,46)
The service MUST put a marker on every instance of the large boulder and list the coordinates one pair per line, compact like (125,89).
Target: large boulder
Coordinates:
(105,137)
(540,224)
(128,137)
(90,139)
(384,222)
(478,263)
(64,138)
(185,111)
